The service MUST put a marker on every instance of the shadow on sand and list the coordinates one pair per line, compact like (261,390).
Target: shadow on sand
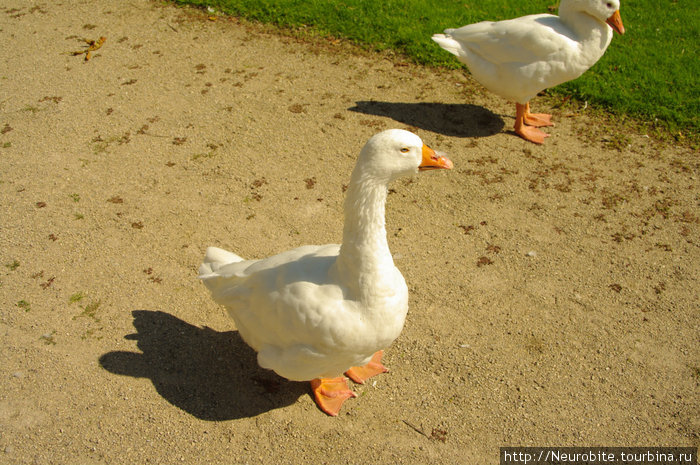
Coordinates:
(449,119)
(209,374)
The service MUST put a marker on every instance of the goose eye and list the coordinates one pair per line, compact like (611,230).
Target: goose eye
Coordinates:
(404,150)
(609,5)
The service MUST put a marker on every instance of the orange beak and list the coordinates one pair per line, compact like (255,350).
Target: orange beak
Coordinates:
(615,22)
(433,160)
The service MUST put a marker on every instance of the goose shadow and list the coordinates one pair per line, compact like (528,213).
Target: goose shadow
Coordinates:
(211,375)
(449,119)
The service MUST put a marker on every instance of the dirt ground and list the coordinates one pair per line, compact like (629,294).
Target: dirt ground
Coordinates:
(553,289)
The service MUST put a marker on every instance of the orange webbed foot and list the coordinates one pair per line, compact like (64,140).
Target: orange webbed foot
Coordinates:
(528,130)
(538,120)
(330,393)
(531,134)
(363,373)
(523,116)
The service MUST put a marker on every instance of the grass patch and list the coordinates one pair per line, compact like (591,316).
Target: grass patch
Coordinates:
(649,73)
(77,297)
(90,311)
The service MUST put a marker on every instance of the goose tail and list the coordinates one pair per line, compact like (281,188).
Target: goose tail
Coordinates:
(448,43)
(214,259)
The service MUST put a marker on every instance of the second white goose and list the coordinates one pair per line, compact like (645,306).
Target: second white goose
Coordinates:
(517,58)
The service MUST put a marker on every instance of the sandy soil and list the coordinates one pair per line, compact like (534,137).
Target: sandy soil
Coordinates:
(554,289)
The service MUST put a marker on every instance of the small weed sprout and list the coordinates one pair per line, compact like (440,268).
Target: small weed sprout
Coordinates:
(24,305)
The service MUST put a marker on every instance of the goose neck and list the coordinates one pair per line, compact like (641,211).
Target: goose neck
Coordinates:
(364,250)
(593,34)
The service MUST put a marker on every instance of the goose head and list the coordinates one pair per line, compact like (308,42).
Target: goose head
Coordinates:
(605,11)
(395,152)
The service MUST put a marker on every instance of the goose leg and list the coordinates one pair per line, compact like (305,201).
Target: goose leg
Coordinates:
(330,393)
(374,367)
(525,130)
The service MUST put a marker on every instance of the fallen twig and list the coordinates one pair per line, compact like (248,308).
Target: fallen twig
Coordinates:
(416,429)
(436,435)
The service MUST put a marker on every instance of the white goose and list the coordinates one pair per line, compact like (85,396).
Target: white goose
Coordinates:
(520,57)
(315,312)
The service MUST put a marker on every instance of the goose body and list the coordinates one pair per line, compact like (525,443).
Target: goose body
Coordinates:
(520,57)
(315,312)
(293,310)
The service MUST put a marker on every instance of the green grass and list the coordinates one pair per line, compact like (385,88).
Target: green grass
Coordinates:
(649,73)
(77,297)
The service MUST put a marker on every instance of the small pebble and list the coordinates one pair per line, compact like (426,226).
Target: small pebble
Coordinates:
(531,253)
(18,374)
